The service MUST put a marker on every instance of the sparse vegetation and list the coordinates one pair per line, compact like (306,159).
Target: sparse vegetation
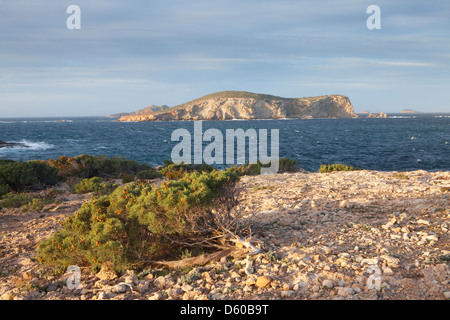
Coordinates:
(400,175)
(31,202)
(325,168)
(15,200)
(95,185)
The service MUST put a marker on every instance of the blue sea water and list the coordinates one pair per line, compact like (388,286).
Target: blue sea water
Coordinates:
(400,142)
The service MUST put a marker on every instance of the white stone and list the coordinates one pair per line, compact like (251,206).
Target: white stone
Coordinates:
(432,238)
(328,283)
(345,291)
(186,287)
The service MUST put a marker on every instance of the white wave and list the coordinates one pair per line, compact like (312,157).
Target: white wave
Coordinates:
(56,121)
(37,145)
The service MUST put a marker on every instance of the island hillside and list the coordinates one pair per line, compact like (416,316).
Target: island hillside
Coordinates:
(143,111)
(230,105)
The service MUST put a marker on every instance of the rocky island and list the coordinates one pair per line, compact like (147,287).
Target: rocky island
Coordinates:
(144,111)
(409,111)
(231,105)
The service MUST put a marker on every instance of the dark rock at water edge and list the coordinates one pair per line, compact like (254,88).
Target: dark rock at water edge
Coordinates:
(4,144)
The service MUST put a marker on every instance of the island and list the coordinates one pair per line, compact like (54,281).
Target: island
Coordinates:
(144,111)
(409,111)
(242,105)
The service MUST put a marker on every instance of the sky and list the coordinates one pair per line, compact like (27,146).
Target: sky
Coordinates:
(131,54)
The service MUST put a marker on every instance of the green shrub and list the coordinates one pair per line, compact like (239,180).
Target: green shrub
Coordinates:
(95,185)
(35,205)
(251,169)
(4,189)
(127,178)
(87,166)
(148,174)
(324,168)
(287,165)
(174,171)
(134,223)
(15,200)
(21,176)
(28,202)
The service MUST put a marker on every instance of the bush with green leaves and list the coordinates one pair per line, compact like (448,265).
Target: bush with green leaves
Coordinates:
(88,166)
(251,169)
(135,223)
(148,174)
(35,205)
(15,200)
(27,202)
(95,185)
(173,171)
(23,176)
(325,168)
(287,165)
(127,178)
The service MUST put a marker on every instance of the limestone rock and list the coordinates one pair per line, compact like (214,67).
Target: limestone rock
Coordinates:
(106,274)
(263,281)
(230,105)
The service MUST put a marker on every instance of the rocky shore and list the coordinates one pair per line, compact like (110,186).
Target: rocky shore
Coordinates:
(343,235)
(4,144)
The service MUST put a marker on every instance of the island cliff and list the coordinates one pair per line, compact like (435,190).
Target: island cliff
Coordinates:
(230,105)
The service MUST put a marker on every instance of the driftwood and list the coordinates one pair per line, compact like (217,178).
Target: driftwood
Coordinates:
(218,227)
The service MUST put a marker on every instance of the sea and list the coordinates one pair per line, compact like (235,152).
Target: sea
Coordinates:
(401,142)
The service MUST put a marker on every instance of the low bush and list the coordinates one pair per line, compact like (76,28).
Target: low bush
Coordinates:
(15,200)
(28,202)
(288,165)
(148,174)
(251,169)
(35,205)
(325,168)
(137,223)
(127,178)
(95,185)
(174,171)
(24,176)
(87,166)
(4,189)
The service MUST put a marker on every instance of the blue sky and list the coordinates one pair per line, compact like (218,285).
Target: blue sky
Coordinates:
(131,54)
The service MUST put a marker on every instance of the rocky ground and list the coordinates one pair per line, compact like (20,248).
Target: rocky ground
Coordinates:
(343,235)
